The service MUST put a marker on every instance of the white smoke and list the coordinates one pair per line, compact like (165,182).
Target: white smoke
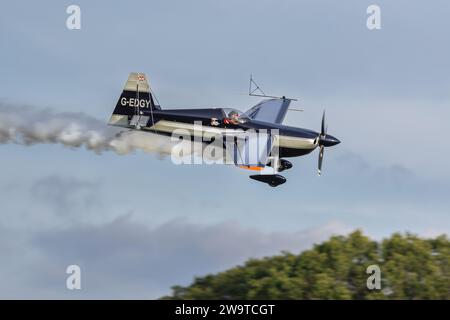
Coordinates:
(29,126)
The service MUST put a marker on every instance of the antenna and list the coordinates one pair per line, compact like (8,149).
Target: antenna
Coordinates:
(253,87)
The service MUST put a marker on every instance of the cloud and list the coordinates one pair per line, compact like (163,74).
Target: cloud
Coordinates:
(66,194)
(124,258)
(369,182)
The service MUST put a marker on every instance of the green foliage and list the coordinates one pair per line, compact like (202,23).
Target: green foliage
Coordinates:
(411,268)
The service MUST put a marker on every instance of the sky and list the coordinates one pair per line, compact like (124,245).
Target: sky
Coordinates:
(137,224)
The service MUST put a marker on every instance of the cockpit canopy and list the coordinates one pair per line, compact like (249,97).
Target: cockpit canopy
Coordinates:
(234,116)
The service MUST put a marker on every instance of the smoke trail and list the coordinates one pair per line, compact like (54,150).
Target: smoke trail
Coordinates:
(29,126)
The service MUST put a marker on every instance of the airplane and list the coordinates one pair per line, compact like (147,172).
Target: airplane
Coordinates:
(136,110)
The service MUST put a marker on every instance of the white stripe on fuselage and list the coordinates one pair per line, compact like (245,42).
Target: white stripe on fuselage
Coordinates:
(209,132)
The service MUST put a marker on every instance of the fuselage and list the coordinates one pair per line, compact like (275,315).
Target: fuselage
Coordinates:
(291,141)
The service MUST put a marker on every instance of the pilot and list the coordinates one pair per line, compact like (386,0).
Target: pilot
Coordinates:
(233,117)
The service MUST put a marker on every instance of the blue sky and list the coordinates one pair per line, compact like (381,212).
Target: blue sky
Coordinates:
(138,224)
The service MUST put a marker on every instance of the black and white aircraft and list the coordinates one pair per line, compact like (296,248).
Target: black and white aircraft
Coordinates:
(136,110)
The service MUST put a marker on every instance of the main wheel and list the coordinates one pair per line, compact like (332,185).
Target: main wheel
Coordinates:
(273,184)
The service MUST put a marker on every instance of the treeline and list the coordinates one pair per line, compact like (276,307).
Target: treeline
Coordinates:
(410,268)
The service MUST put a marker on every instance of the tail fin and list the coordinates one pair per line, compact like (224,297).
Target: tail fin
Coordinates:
(135,100)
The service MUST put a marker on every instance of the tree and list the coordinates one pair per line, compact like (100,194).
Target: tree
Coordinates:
(411,268)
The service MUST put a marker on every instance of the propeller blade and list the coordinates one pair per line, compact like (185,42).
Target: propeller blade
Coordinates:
(323,129)
(319,169)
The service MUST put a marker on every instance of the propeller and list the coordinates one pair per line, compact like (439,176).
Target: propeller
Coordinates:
(322,136)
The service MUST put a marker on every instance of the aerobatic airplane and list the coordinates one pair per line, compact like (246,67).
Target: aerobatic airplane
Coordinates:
(136,110)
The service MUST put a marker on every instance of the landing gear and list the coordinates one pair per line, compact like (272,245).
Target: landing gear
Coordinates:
(284,165)
(272,180)
(279,165)
(274,184)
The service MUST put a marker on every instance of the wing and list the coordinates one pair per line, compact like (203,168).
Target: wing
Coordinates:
(273,110)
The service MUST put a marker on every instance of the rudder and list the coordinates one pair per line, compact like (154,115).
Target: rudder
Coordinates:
(135,100)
